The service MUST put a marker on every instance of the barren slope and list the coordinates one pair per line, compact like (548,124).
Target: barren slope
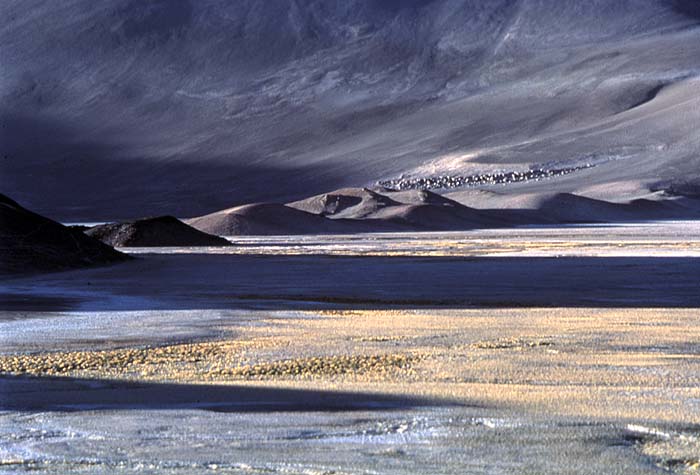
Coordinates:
(188,107)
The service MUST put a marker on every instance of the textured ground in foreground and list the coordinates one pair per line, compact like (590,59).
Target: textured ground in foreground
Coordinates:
(634,368)
(331,355)
(623,364)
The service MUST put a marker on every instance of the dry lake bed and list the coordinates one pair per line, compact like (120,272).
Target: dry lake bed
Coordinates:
(530,350)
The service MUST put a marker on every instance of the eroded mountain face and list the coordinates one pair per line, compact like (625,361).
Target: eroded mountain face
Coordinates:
(123,108)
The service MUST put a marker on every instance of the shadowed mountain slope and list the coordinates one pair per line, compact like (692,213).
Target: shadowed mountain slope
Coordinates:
(190,106)
(31,243)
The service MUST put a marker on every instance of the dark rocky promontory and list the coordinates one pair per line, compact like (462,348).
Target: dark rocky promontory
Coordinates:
(163,231)
(32,243)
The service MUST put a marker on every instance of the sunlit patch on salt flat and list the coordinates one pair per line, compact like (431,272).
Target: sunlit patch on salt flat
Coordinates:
(669,239)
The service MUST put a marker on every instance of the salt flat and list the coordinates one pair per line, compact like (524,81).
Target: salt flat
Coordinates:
(421,353)
(644,239)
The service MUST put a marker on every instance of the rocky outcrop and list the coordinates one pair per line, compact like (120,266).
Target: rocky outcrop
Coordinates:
(163,231)
(32,243)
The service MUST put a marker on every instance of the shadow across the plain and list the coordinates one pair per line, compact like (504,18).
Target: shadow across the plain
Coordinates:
(62,394)
(210,281)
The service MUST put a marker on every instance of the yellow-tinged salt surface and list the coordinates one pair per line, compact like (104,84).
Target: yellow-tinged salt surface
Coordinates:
(457,248)
(670,239)
(621,364)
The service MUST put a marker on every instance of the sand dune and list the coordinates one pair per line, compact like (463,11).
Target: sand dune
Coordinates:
(437,212)
(410,209)
(435,218)
(352,210)
(352,203)
(348,210)
(271,219)
(30,242)
(154,232)
(419,197)
(569,207)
